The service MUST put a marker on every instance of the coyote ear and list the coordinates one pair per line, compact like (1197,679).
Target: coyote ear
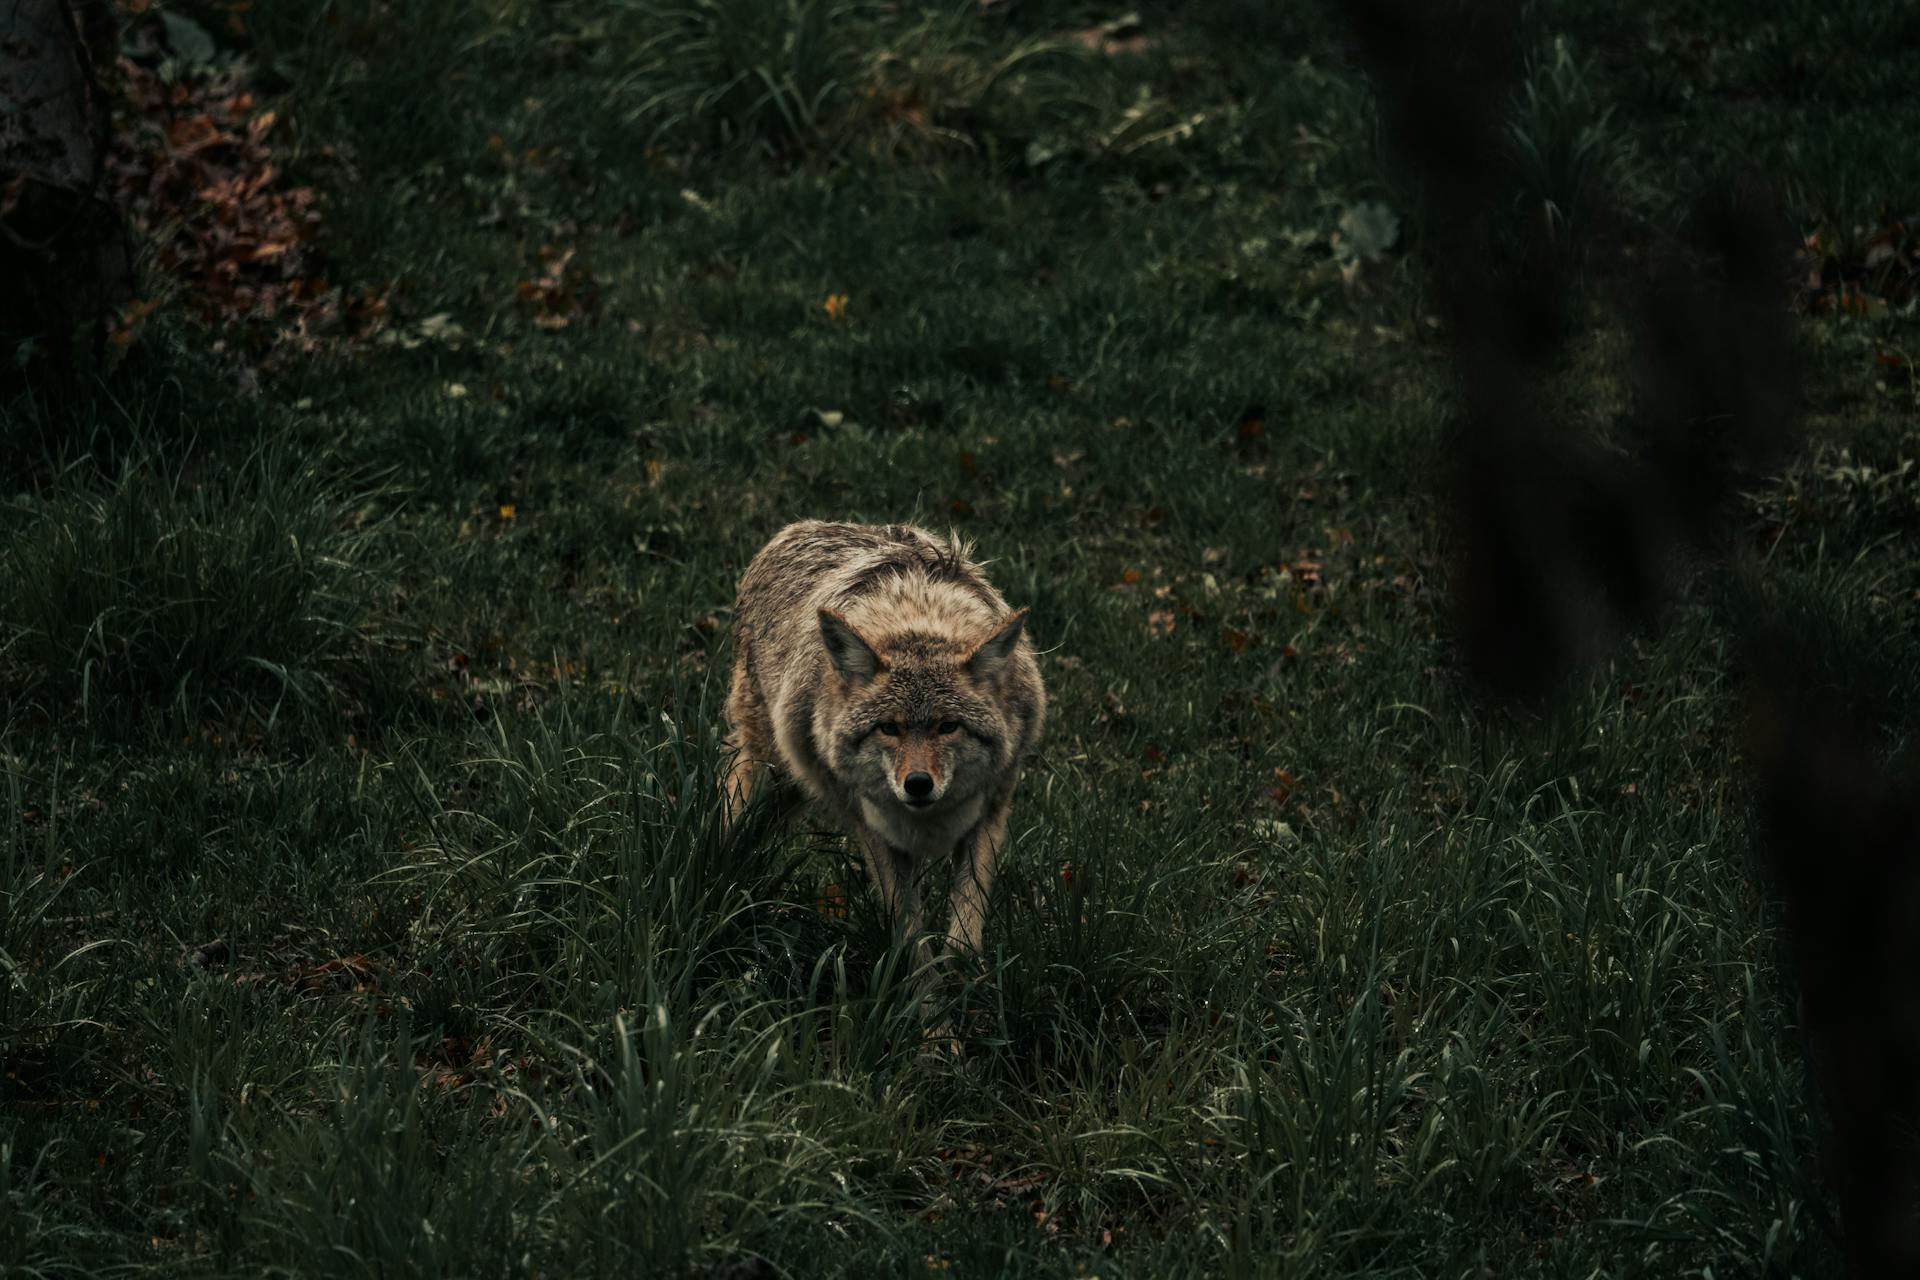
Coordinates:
(989,658)
(852,656)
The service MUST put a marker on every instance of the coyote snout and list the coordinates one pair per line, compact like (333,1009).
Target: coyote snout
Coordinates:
(879,669)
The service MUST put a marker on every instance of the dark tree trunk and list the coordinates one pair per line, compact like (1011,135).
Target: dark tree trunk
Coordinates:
(63,249)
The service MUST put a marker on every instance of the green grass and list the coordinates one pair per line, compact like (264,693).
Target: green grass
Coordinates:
(363,907)
(177,590)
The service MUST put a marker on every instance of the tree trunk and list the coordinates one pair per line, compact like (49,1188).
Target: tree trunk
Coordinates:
(63,249)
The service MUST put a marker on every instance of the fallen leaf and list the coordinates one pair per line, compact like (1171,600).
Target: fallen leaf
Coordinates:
(190,164)
(563,292)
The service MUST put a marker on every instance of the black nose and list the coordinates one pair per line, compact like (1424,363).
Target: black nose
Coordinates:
(919,785)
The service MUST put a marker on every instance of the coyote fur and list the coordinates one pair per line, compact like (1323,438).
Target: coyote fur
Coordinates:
(877,668)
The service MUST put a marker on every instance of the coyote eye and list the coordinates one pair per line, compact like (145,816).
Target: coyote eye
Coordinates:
(949,726)
(888,729)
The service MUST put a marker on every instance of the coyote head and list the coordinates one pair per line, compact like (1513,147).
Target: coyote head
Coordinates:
(919,724)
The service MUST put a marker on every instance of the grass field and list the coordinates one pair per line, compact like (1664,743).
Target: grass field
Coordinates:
(363,909)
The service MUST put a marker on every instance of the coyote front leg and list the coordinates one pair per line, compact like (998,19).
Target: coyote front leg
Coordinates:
(973,880)
(893,875)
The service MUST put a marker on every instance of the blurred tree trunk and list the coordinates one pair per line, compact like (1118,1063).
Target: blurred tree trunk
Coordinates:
(63,249)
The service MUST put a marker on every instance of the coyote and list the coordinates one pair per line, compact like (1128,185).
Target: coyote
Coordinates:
(877,667)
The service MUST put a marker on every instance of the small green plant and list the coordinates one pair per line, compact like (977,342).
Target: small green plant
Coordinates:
(33,1238)
(799,77)
(166,587)
(769,74)
(1569,159)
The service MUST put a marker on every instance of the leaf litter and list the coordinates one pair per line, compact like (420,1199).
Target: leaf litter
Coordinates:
(194,167)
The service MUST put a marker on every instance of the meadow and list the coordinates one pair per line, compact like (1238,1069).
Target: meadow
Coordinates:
(364,908)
